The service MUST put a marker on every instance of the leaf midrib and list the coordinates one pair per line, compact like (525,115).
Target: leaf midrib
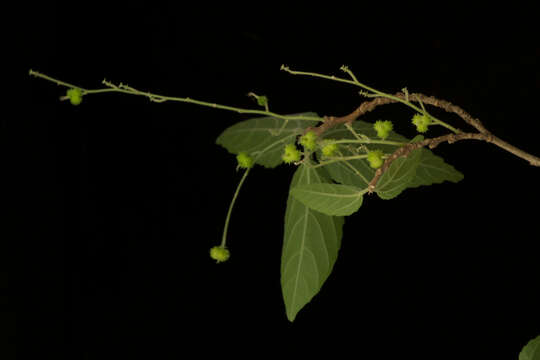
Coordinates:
(313,192)
(302,247)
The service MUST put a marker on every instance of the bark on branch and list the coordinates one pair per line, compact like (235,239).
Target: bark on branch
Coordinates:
(482,135)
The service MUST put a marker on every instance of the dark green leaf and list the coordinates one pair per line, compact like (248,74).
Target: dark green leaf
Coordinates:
(264,138)
(310,247)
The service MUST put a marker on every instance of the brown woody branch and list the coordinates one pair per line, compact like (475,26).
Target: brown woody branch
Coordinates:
(367,106)
(483,134)
(450,138)
(405,150)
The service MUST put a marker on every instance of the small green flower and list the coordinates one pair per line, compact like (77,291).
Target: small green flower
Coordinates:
(383,128)
(74,95)
(329,149)
(422,122)
(375,158)
(244,160)
(220,254)
(262,100)
(308,140)
(291,154)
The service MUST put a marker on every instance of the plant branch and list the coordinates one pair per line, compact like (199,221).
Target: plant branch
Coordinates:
(450,139)
(380,98)
(231,206)
(368,106)
(122,88)
(372,93)
(484,134)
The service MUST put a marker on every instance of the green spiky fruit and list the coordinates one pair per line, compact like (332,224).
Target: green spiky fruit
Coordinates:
(421,122)
(74,95)
(308,141)
(244,160)
(329,149)
(220,254)
(383,128)
(291,154)
(375,158)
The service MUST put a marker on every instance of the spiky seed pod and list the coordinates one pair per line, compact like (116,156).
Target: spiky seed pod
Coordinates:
(220,254)
(244,160)
(375,158)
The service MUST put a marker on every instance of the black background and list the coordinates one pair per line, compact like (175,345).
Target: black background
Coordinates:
(122,198)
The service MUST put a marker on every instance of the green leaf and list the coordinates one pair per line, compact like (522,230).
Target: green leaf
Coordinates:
(355,172)
(531,351)
(310,247)
(330,199)
(400,173)
(263,138)
(433,170)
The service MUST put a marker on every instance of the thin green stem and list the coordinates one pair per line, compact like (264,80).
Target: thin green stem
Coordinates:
(121,88)
(364,191)
(398,99)
(312,74)
(374,92)
(358,83)
(58,82)
(227,219)
(369,141)
(342,158)
(351,129)
(422,105)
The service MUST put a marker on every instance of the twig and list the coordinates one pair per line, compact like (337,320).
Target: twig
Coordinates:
(483,134)
(123,88)
(368,106)
(380,98)
(450,138)
(371,92)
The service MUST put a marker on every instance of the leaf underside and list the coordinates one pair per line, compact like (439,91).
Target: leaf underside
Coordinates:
(531,351)
(310,246)
(330,199)
(312,238)
(431,169)
(264,137)
(400,173)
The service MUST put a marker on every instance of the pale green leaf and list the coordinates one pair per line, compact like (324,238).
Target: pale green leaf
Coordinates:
(310,247)
(330,199)
(264,138)
(531,351)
